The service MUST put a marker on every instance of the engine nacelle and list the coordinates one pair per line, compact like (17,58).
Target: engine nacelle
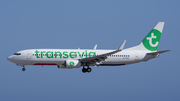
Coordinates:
(71,64)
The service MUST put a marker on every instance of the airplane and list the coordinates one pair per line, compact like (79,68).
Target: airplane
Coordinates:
(75,58)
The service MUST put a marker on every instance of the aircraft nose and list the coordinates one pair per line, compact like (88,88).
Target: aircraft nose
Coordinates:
(10,58)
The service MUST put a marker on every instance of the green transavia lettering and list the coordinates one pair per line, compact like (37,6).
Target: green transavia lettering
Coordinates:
(64,54)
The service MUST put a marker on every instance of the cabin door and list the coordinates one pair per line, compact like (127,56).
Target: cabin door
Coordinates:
(136,56)
(28,55)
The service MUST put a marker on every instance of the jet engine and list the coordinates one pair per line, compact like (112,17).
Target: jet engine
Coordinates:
(70,64)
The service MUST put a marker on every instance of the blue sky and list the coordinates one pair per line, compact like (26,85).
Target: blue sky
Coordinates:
(79,23)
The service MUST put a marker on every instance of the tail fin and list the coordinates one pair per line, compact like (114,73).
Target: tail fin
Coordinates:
(151,41)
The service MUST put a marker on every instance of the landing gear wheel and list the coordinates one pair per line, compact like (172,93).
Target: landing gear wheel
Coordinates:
(89,70)
(23,69)
(84,70)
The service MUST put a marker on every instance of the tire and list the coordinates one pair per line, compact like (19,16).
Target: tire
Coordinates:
(84,70)
(89,70)
(23,69)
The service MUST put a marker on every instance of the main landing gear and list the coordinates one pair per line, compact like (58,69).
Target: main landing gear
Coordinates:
(88,69)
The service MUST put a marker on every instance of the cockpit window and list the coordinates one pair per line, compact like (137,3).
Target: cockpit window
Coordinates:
(17,53)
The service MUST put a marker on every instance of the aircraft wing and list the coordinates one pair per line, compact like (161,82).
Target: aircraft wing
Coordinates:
(95,60)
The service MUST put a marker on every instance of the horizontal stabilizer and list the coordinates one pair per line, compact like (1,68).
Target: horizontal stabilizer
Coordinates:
(159,52)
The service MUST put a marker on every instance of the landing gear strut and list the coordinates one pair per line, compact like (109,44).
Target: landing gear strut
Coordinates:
(88,69)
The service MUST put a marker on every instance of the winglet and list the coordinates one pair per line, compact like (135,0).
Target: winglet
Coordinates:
(122,45)
(95,47)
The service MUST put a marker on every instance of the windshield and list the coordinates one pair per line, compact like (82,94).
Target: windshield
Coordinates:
(17,53)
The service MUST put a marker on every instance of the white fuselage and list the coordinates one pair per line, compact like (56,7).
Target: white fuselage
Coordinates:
(59,56)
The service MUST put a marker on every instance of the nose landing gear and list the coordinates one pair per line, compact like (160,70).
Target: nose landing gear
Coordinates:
(23,69)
